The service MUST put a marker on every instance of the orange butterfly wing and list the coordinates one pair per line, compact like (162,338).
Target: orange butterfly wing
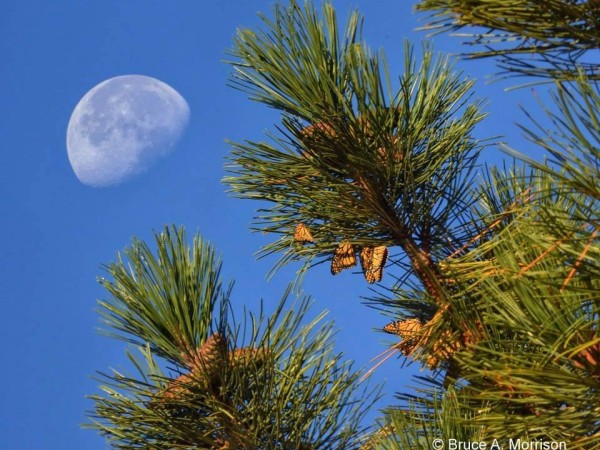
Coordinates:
(343,258)
(372,261)
(303,234)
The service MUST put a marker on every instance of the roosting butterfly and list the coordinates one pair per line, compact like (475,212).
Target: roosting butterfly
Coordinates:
(343,258)
(302,234)
(408,330)
(372,260)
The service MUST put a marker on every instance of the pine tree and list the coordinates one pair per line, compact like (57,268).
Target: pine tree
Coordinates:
(499,294)
(492,286)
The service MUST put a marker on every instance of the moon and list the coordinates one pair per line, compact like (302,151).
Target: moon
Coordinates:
(122,126)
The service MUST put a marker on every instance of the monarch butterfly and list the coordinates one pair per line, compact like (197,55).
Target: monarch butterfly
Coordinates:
(372,261)
(407,329)
(302,234)
(403,328)
(343,258)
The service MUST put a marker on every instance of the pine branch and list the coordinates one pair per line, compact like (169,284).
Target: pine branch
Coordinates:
(422,421)
(543,38)
(533,326)
(166,299)
(277,385)
(573,144)
(365,165)
(280,70)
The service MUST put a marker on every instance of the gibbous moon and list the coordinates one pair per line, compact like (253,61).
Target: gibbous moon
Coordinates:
(122,126)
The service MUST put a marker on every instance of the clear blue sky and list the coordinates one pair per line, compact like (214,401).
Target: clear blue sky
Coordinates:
(56,232)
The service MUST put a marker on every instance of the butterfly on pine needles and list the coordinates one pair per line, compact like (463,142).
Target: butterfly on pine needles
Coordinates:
(442,348)
(372,260)
(408,330)
(302,234)
(343,258)
(404,328)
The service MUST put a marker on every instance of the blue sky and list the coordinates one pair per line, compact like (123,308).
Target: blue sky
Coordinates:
(56,232)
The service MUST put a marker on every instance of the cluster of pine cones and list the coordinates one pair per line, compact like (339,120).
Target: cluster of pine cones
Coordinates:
(320,133)
(372,259)
(206,366)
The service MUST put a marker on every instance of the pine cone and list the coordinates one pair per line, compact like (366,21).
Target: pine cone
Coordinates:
(175,389)
(208,354)
(316,132)
(443,349)
(248,355)
(204,365)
